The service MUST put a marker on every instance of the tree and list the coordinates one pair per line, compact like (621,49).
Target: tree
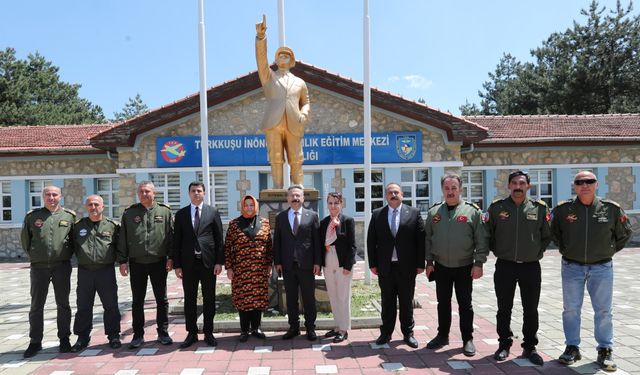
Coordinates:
(31,93)
(590,68)
(134,107)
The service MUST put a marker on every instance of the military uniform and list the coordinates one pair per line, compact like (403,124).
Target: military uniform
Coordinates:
(46,239)
(519,235)
(588,237)
(144,240)
(95,248)
(456,239)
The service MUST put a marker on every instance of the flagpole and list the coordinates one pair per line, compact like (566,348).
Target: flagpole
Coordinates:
(281,43)
(204,118)
(367,136)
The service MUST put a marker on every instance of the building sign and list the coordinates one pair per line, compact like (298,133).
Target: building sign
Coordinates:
(246,150)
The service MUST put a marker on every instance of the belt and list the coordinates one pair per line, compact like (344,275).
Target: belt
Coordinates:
(602,261)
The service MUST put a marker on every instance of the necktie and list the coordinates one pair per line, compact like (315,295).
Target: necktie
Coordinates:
(296,222)
(196,219)
(394,226)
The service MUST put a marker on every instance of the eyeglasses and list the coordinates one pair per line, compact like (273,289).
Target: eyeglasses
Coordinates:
(589,181)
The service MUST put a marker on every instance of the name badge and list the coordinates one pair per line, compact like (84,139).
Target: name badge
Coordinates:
(158,219)
(603,219)
(63,223)
(106,234)
(532,216)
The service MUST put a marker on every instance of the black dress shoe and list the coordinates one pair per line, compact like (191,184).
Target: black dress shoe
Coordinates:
(533,356)
(65,346)
(501,354)
(164,338)
(311,335)
(136,342)
(340,337)
(438,342)
(332,333)
(191,339)
(32,350)
(411,341)
(244,336)
(115,343)
(80,345)
(383,339)
(291,333)
(468,348)
(571,355)
(210,339)
(258,334)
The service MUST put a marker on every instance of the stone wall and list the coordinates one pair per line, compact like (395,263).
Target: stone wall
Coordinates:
(58,166)
(74,195)
(10,247)
(329,114)
(585,155)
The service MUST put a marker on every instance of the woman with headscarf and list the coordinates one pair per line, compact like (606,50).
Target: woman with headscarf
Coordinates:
(337,233)
(248,258)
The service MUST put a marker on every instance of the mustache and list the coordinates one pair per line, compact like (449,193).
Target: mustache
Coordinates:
(518,191)
(451,195)
(295,200)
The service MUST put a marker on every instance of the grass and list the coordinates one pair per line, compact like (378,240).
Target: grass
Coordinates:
(361,302)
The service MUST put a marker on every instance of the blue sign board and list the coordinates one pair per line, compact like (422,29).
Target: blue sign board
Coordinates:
(246,150)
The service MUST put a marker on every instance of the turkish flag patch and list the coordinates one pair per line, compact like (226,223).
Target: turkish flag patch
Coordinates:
(461,219)
(623,219)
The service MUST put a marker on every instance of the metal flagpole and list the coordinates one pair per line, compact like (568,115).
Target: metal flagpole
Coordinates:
(204,118)
(367,137)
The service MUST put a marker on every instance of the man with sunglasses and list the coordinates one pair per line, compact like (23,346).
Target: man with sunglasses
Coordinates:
(519,234)
(589,230)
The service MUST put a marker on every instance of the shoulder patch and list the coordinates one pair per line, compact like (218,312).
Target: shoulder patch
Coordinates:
(473,205)
(110,220)
(72,212)
(164,205)
(79,220)
(541,202)
(496,200)
(435,204)
(611,202)
(131,206)
(31,211)
(564,202)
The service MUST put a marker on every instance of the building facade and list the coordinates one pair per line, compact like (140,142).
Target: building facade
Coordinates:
(414,145)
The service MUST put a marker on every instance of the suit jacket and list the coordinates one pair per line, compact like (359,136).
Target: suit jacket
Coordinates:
(208,237)
(286,95)
(409,240)
(345,243)
(306,243)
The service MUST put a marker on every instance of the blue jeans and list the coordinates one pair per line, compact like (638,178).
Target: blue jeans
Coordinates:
(599,281)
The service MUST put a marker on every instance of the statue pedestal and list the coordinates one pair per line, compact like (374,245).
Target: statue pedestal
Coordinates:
(272,202)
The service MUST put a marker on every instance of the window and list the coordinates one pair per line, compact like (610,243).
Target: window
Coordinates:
(5,202)
(472,187)
(219,192)
(167,189)
(415,188)
(542,185)
(35,192)
(107,188)
(377,189)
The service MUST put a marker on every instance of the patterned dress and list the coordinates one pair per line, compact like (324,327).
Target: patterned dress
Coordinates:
(250,260)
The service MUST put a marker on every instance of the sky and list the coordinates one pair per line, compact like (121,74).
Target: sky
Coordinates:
(441,51)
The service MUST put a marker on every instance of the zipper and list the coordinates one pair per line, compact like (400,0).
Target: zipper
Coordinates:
(515,259)
(586,232)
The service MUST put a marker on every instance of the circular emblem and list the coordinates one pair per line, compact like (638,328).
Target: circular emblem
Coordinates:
(137,219)
(436,219)
(38,223)
(461,219)
(172,151)
(83,232)
(406,146)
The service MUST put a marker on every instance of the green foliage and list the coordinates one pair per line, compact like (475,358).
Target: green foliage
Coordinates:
(134,107)
(590,68)
(31,93)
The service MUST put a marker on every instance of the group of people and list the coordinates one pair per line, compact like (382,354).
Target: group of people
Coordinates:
(453,243)
(149,242)
(450,246)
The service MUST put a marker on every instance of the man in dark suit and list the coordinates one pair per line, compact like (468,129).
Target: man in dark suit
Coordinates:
(395,246)
(296,245)
(198,256)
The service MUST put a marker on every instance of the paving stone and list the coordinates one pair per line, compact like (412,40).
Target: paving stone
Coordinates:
(90,352)
(326,369)
(321,347)
(259,371)
(192,371)
(147,351)
(393,366)
(263,349)
(459,365)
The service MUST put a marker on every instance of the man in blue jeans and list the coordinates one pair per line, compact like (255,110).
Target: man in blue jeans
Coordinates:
(589,230)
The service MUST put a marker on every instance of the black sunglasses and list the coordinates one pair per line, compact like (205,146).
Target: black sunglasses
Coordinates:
(589,181)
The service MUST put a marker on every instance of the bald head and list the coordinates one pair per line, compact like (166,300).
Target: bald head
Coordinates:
(52,195)
(94,205)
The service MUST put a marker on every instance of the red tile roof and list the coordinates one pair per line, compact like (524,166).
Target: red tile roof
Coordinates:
(50,139)
(591,129)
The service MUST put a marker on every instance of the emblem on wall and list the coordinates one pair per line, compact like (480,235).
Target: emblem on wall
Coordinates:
(172,151)
(406,146)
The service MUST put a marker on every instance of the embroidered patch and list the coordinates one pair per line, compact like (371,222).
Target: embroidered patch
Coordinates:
(532,216)
(603,219)
(461,219)
(63,223)
(623,219)
(137,219)
(38,223)
(571,218)
(83,232)
(503,215)
(548,217)
(436,219)
(485,217)
(158,219)
(106,234)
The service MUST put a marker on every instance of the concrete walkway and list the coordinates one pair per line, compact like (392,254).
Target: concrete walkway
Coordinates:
(274,356)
